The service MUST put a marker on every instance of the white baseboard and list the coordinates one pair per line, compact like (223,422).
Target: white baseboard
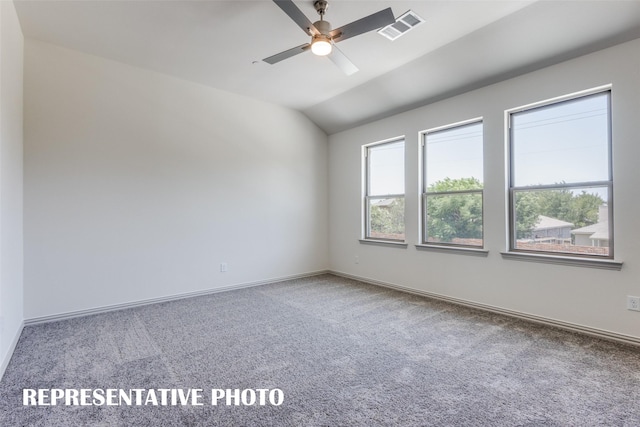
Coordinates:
(9,354)
(600,333)
(114,307)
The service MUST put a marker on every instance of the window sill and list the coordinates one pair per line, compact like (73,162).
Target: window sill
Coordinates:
(454,249)
(605,264)
(384,243)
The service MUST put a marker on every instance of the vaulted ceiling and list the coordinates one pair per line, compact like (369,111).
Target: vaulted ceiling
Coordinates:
(461,46)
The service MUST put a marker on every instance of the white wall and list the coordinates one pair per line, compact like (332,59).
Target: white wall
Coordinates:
(11,257)
(581,296)
(138,185)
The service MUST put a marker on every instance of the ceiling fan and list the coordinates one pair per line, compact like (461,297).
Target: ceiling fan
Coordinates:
(323,38)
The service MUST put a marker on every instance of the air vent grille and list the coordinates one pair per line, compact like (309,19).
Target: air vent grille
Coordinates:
(403,24)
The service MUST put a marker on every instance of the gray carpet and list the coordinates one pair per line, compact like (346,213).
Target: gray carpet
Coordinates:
(344,353)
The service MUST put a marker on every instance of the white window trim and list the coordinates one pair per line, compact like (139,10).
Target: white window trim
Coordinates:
(605,264)
(364,215)
(422,168)
(593,261)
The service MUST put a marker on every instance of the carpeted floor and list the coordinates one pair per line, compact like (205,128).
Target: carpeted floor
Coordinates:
(344,353)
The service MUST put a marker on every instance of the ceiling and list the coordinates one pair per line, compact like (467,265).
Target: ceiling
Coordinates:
(461,46)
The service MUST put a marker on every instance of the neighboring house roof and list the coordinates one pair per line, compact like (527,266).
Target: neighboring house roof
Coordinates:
(600,236)
(597,231)
(545,223)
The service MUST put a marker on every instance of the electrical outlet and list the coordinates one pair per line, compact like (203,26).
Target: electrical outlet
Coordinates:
(223,267)
(357,260)
(633,303)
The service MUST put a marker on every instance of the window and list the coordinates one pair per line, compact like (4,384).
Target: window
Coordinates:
(384,191)
(561,187)
(452,185)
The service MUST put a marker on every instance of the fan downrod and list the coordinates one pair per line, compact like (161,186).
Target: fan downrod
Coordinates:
(321,7)
(323,27)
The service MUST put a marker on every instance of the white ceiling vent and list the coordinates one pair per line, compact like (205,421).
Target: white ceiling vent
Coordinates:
(403,24)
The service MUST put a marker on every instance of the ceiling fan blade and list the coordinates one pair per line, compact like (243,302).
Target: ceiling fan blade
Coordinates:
(364,25)
(289,7)
(342,61)
(287,53)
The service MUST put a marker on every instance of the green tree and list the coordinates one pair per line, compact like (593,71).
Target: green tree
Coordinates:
(387,220)
(584,209)
(580,210)
(527,212)
(452,216)
(555,204)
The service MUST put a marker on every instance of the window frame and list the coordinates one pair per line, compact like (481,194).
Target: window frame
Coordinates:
(424,234)
(512,189)
(367,197)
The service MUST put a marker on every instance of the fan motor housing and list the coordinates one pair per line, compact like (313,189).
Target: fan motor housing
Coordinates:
(323,27)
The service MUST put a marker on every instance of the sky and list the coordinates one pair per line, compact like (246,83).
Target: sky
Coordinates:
(566,142)
(454,153)
(386,162)
(563,142)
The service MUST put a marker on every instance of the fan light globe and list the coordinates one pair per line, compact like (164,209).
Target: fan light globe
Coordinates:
(321,46)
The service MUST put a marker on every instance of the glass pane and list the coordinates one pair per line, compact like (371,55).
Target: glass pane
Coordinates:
(455,219)
(566,142)
(454,154)
(571,220)
(386,169)
(386,218)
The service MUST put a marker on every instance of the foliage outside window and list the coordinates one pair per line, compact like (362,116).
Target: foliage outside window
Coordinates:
(560,177)
(452,197)
(384,191)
